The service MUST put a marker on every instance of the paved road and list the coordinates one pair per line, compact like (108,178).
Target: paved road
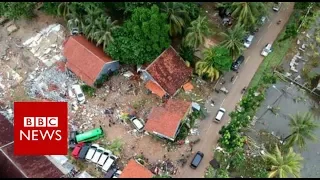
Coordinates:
(208,129)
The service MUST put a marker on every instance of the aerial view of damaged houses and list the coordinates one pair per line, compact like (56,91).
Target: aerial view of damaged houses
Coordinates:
(162,89)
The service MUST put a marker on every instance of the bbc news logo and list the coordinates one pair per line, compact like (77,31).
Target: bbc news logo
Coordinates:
(35,135)
(40,128)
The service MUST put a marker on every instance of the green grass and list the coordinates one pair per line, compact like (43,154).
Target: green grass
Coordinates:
(280,49)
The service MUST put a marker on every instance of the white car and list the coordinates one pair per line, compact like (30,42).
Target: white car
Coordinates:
(97,155)
(276,7)
(137,123)
(266,50)
(220,114)
(91,152)
(117,174)
(248,41)
(79,94)
(104,157)
(111,159)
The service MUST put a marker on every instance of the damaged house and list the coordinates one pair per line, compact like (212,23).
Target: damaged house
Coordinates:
(86,60)
(166,74)
(166,121)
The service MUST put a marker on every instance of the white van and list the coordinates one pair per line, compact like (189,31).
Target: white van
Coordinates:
(137,123)
(79,94)
(111,159)
(266,50)
(91,152)
(97,155)
(104,157)
(220,114)
(248,41)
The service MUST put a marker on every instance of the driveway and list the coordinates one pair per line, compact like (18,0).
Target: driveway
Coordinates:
(208,129)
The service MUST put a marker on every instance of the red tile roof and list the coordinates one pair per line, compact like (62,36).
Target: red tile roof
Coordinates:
(169,71)
(135,170)
(84,58)
(155,88)
(188,86)
(31,166)
(165,120)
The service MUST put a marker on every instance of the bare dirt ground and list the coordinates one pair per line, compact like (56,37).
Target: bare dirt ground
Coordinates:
(119,94)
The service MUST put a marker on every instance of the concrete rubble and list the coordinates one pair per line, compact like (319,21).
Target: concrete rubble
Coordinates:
(50,83)
(8,79)
(47,45)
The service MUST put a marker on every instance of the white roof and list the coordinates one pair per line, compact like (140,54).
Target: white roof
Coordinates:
(138,123)
(108,163)
(84,174)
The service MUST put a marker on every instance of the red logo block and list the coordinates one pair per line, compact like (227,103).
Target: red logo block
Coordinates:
(40,128)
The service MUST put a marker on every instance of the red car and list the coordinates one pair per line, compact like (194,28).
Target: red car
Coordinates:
(76,150)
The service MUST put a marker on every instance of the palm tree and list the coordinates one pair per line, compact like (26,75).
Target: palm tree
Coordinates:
(302,127)
(207,66)
(233,40)
(64,9)
(245,12)
(197,33)
(177,16)
(102,35)
(284,165)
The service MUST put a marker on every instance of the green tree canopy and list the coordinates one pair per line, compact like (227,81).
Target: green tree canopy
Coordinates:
(142,38)
(17,10)
(282,164)
(302,127)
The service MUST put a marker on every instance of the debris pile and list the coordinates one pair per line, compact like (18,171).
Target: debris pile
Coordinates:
(8,79)
(164,167)
(47,45)
(50,83)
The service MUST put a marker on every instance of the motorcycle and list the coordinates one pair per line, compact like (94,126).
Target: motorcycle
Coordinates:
(243,90)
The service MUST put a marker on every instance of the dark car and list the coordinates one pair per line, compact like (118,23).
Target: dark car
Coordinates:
(236,64)
(196,160)
(110,173)
(72,139)
(83,152)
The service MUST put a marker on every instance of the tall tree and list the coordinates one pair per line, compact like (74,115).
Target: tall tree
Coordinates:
(177,16)
(284,165)
(17,10)
(302,127)
(197,33)
(216,59)
(103,35)
(246,13)
(233,40)
(142,38)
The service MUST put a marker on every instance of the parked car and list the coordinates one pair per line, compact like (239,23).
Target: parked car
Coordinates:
(79,94)
(97,155)
(110,173)
(248,41)
(111,159)
(117,174)
(220,114)
(72,139)
(76,151)
(196,160)
(137,123)
(263,19)
(276,7)
(266,50)
(91,151)
(104,157)
(236,64)
(84,150)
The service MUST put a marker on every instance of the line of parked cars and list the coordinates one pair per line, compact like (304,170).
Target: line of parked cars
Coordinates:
(102,158)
